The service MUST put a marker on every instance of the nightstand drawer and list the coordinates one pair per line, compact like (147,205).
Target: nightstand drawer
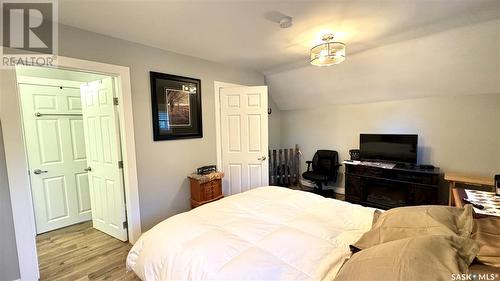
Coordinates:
(205,188)
(211,190)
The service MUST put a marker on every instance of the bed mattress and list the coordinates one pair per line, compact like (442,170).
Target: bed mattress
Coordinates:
(267,233)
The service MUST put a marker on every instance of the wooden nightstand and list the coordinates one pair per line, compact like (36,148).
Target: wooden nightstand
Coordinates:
(205,188)
(471,182)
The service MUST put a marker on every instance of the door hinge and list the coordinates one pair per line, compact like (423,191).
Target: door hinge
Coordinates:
(120,164)
(125,225)
(115,101)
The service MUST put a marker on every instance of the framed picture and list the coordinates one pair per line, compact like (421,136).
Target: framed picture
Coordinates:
(176,104)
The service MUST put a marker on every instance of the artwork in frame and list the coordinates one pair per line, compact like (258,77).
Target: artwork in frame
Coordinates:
(176,107)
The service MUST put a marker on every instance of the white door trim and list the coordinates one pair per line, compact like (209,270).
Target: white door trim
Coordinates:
(218,140)
(17,167)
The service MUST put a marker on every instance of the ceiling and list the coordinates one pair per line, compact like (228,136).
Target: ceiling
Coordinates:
(458,61)
(396,49)
(246,33)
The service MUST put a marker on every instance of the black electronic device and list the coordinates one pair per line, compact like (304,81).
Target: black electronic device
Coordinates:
(206,169)
(397,148)
(354,153)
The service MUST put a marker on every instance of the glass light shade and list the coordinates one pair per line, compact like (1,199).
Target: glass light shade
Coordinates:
(328,53)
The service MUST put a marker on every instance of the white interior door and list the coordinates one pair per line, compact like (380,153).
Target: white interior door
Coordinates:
(244,135)
(55,144)
(103,158)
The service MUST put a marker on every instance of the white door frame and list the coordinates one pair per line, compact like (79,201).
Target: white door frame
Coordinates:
(218,140)
(17,166)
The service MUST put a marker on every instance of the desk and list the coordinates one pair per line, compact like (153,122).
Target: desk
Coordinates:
(454,178)
(458,195)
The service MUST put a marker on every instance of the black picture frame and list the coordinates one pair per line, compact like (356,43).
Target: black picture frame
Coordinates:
(176,107)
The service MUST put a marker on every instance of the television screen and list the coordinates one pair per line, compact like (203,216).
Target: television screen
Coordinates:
(389,148)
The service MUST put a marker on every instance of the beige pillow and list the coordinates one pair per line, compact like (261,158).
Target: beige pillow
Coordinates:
(429,257)
(404,222)
(486,232)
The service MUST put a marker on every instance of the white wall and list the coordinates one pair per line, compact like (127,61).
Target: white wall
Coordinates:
(460,134)
(9,268)
(162,166)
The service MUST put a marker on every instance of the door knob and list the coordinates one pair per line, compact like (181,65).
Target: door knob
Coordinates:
(88,169)
(262,158)
(38,171)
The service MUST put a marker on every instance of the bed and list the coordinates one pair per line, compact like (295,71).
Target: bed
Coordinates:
(267,233)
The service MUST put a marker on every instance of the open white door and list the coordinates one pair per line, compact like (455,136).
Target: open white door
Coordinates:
(55,146)
(244,135)
(104,158)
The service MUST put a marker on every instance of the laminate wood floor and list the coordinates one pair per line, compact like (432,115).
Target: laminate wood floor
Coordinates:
(80,252)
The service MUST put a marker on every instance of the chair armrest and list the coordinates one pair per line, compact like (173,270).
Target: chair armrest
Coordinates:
(309,165)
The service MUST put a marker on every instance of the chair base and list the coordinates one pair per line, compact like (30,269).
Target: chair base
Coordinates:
(328,193)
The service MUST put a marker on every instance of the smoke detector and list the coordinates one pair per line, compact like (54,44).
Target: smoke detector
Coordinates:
(286,22)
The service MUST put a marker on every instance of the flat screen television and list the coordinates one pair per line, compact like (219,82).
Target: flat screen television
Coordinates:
(388,148)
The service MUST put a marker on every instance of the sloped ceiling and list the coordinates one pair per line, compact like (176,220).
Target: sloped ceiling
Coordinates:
(460,61)
(245,34)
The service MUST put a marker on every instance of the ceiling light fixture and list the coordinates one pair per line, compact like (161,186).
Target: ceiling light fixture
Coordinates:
(286,22)
(327,53)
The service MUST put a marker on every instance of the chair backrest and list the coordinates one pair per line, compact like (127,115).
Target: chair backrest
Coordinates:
(325,162)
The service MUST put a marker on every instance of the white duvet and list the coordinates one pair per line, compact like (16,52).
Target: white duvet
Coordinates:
(267,233)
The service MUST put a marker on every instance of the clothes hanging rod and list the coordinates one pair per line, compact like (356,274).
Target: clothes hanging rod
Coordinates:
(38,114)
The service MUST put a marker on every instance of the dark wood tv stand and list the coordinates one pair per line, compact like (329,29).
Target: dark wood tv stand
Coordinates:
(388,188)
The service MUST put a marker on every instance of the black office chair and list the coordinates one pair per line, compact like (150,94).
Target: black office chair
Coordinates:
(325,167)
